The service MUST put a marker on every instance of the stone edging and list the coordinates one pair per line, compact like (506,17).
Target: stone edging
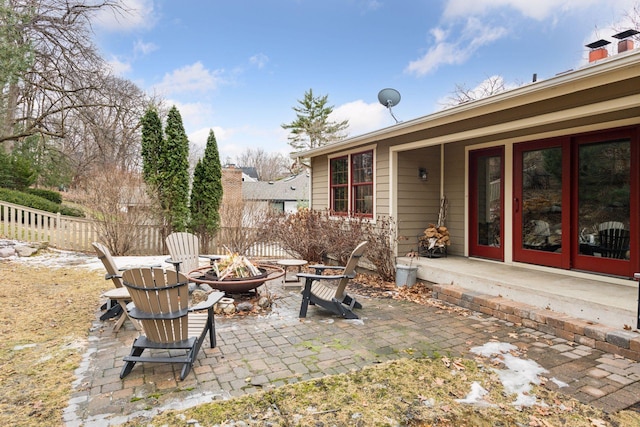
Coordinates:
(594,335)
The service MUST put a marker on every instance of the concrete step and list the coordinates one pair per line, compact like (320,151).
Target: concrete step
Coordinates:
(609,301)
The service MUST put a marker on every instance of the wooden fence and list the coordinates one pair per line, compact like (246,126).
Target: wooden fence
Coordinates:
(76,234)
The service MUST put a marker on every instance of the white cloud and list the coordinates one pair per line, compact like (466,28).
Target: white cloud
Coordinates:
(130,15)
(118,67)
(362,117)
(140,47)
(195,115)
(259,60)
(537,9)
(474,35)
(369,5)
(190,78)
(199,137)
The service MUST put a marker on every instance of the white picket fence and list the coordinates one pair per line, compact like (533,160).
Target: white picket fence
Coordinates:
(76,234)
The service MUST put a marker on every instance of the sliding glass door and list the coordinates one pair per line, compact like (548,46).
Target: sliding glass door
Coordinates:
(541,203)
(576,202)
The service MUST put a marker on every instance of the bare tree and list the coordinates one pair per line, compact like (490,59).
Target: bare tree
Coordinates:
(462,94)
(631,20)
(106,130)
(54,37)
(269,166)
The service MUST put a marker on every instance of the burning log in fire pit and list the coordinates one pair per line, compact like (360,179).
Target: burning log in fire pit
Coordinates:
(434,239)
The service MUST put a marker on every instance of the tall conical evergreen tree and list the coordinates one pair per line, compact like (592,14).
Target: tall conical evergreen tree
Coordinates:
(173,164)
(151,145)
(206,193)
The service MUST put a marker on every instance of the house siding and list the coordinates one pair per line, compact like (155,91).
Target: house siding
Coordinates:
(596,98)
(381,182)
(418,201)
(454,191)
(320,183)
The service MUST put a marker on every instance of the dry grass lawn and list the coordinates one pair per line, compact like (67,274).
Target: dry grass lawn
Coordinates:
(46,313)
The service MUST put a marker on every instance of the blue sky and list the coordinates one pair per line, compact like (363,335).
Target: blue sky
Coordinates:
(239,67)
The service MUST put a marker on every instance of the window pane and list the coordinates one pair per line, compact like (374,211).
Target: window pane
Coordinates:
(542,199)
(362,167)
(489,199)
(363,198)
(339,171)
(340,199)
(604,178)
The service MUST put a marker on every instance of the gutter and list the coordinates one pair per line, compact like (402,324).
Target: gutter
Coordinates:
(608,65)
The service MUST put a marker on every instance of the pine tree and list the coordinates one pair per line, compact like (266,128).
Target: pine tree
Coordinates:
(206,193)
(312,127)
(173,167)
(151,145)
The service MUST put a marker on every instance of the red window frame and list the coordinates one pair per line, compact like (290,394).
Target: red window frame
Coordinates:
(339,184)
(359,178)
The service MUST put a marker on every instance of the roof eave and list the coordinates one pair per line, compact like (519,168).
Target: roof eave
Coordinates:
(481,105)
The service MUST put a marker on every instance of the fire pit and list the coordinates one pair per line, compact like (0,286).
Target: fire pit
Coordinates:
(235,285)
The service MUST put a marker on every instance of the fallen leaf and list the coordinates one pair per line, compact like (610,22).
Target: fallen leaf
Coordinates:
(458,365)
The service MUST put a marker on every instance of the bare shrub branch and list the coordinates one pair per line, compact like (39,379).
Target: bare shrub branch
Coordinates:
(112,198)
(242,225)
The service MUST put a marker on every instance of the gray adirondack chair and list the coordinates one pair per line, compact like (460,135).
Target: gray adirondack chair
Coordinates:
(319,291)
(162,306)
(184,250)
(119,294)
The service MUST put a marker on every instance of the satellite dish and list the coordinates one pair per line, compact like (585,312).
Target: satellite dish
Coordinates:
(389,98)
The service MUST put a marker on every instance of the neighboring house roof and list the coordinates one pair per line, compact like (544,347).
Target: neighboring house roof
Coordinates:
(251,172)
(292,188)
(248,178)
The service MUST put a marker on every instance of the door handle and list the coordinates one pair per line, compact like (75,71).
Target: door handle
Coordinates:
(516,204)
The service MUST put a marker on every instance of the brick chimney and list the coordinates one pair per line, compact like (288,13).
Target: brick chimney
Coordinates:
(231,184)
(625,43)
(598,50)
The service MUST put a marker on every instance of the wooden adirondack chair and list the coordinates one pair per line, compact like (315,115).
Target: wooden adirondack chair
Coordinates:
(120,294)
(184,249)
(614,239)
(318,292)
(161,305)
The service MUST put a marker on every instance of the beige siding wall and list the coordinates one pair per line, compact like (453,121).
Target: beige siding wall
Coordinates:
(454,190)
(418,201)
(320,183)
(382,180)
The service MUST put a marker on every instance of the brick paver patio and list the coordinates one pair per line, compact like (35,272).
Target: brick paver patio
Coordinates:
(259,352)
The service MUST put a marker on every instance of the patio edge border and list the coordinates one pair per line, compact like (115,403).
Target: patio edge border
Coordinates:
(621,342)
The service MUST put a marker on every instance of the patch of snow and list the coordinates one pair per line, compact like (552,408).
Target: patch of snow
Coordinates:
(518,375)
(475,396)
(558,382)
(56,258)
(22,347)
